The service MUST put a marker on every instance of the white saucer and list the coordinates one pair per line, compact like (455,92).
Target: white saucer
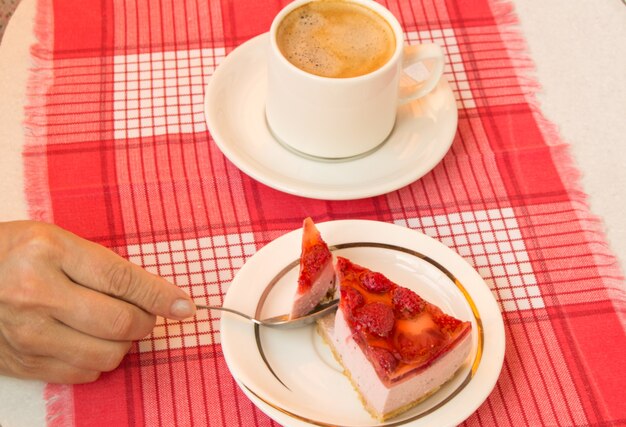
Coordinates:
(235,114)
(292,376)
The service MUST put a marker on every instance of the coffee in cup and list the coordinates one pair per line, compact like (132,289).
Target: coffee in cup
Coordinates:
(335,38)
(334,70)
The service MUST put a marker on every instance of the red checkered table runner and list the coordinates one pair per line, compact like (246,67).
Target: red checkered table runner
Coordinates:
(118,152)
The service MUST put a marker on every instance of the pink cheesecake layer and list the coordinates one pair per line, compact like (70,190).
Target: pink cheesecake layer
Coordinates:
(380,400)
(322,286)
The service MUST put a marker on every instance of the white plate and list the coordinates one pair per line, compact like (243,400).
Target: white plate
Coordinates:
(235,113)
(291,374)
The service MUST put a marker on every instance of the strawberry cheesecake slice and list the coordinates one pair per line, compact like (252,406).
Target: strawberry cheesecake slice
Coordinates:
(395,347)
(316,280)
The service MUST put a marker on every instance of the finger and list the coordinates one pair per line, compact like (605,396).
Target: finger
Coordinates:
(97,314)
(94,266)
(84,351)
(53,340)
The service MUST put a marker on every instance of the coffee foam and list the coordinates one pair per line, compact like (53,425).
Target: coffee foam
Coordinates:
(335,38)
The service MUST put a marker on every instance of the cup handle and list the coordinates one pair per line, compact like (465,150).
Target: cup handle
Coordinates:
(420,53)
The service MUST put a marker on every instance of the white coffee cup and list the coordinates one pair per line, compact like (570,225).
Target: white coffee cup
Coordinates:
(340,118)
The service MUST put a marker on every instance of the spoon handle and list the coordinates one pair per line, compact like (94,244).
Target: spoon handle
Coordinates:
(283,321)
(230,310)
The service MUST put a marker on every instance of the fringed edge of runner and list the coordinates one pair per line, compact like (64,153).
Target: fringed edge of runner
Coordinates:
(58,398)
(59,405)
(40,80)
(593,226)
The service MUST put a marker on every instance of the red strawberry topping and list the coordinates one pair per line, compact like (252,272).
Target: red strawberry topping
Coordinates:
(350,300)
(345,267)
(376,282)
(406,304)
(311,261)
(396,328)
(448,323)
(383,359)
(412,348)
(408,349)
(375,317)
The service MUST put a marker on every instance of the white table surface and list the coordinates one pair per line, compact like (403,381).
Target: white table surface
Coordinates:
(579,49)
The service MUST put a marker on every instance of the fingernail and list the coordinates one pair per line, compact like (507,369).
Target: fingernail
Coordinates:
(182,308)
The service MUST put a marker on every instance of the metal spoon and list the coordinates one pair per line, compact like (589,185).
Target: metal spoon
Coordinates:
(283,321)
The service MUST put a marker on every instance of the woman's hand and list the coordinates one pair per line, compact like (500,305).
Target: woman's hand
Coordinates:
(70,308)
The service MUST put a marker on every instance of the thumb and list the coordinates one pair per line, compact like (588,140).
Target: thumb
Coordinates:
(98,268)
